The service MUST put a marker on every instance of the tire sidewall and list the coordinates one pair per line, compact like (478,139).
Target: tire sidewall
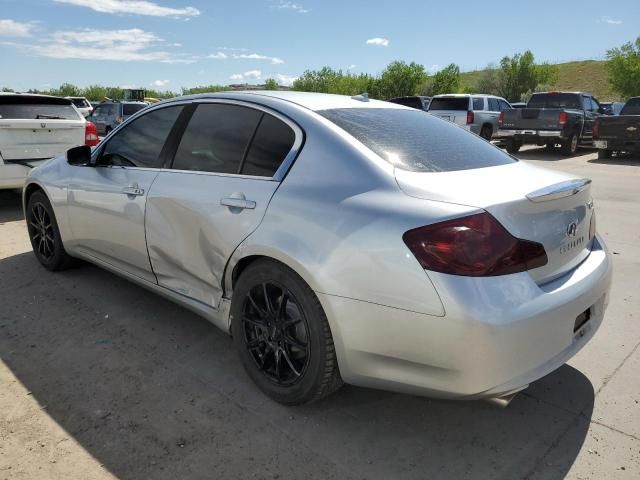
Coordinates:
(59,253)
(303,390)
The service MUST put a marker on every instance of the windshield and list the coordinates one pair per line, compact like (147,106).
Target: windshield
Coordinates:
(449,103)
(131,108)
(555,100)
(632,107)
(416,141)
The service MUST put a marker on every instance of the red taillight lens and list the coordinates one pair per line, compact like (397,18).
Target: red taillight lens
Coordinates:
(596,129)
(91,134)
(500,119)
(469,117)
(563,118)
(474,246)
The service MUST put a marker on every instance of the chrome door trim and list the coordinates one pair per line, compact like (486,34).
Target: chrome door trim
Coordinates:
(559,190)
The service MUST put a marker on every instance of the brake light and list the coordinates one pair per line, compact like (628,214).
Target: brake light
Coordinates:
(563,118)
(469,117)
(91,134)
(475,246)
(596,129)
(500,119)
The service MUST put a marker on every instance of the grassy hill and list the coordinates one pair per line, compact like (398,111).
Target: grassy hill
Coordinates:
(588,76)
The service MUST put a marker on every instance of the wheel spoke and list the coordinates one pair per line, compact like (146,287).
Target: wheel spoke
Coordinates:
(35,225)
(291,322)
(278,357)
(256,323)
(260,311)
(285,354)
(288,339)
(267,300)
(255,343)
(280,314)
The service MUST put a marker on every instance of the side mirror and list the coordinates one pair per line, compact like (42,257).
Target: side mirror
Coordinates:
(79,155)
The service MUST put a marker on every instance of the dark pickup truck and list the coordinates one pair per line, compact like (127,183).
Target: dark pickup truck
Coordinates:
(551,118)
(619,133)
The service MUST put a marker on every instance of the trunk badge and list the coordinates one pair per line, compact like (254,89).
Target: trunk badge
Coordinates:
(631,129)
(43,125)
(572,228)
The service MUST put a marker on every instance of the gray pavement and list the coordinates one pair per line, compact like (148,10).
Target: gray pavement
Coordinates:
(101,379)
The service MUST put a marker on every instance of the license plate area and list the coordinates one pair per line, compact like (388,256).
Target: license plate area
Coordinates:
(582,319)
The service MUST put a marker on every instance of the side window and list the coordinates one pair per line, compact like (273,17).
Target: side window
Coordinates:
(494,105)
(478,103)
(587,103)
(504,105)
(269,147)
(99,110)
(216,138)
(596,104)
(140,143)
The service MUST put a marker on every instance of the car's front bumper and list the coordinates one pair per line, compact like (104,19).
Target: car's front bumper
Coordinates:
(498,335)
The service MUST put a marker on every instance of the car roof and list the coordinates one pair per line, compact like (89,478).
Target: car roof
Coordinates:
(34,96)
(310,100)
(465,95)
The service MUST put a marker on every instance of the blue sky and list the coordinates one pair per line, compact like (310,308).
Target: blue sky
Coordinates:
(168,44)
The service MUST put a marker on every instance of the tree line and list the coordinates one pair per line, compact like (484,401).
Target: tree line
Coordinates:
(514,78)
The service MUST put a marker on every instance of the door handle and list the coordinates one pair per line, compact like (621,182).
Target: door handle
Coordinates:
(134,190)
(238,201)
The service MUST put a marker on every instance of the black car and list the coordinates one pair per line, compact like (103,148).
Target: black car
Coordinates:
(619,133)
(417,101)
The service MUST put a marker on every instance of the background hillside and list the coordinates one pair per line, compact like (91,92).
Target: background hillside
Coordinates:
(589,76)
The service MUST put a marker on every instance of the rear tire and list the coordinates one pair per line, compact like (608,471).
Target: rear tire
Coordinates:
(486,132)
(45,235)
(604,154)
(513,146)
(282,335)
(570,145)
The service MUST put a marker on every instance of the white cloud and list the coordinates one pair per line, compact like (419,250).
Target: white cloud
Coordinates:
(117,45)
(11,28)
(218,56)
(250,75)
(160,83)
(610,21)
(134,7)
(286,80)
(383,42)
(288,5)
(256,56)
(351,67)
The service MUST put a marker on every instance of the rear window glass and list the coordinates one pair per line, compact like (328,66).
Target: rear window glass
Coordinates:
(555,100)
(40,112)
(416,141)
(80,102)
(449,103)
(131,108)
(413,102)
(632,107)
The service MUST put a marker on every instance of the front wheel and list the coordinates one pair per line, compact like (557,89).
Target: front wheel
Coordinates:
(282,335)
(570,145)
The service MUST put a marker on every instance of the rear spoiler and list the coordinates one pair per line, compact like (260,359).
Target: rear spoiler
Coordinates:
(559,190)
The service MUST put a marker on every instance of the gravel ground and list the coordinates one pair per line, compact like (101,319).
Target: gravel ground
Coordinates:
(101,379)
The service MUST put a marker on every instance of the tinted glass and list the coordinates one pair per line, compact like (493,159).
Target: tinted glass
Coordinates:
(588,106)
(216,138)
(504,105)
(42,112)
(632,107)
(413,102)
(417,141)
(139,143)
(449,103)
(269,147)
(80,102)
(494,105)
(478,103)
(131,108)
(555,100)
(99,110)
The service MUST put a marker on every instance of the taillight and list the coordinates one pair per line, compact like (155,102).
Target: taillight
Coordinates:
(500,119)
(563,118)
(469,117)
(596,129)
(474,246)
(91,134)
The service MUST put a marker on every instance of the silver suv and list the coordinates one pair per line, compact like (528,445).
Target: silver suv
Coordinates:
(476,112)
(108,115)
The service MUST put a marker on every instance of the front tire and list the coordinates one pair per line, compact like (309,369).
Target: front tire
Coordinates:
(282,335)
(45,235)
(570,145)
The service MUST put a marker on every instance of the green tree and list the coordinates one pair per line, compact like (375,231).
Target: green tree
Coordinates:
(446,80)
(204,89)
(520,74)
(400,79)
(328,80)
(624,68)
(271,84)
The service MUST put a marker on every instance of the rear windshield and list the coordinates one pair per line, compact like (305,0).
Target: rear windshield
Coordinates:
(35,111)
(449,103)
(80,102)
(413,102)
(632,107)
(555,100)
(416,141)
(131,108)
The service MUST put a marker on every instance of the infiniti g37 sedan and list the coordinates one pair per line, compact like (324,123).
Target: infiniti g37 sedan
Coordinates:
(337,239)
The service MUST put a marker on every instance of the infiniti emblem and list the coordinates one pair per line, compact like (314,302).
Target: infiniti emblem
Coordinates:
(43,125)
(572,229)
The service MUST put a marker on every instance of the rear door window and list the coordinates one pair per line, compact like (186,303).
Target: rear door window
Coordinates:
(416,141)
(216,138)
(494,104)
(271,144)
(140,143)
(478,103)
(504,105)
(449,103)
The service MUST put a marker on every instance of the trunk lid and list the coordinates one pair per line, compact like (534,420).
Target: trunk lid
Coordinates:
(532,119)
(621,127)
(22,139)
(532,203)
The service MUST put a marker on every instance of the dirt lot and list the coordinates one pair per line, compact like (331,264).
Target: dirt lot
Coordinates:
(101,379)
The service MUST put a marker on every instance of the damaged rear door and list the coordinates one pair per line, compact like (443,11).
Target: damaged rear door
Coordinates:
(225,169)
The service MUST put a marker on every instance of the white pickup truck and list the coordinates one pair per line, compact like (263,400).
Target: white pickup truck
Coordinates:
(35,128)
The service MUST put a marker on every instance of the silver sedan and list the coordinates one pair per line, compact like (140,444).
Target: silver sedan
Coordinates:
(337,239)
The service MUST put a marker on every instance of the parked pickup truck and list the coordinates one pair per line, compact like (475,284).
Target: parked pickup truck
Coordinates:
(551,118)
(619,133)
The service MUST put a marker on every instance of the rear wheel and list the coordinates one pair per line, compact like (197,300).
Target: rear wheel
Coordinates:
(570,145)
(513,146)
(604,154)
(282,335)
(486,132)
(45,235)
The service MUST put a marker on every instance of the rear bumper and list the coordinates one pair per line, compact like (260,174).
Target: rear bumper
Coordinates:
(530,136)
(498,335)
(13,175)
(629,146)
